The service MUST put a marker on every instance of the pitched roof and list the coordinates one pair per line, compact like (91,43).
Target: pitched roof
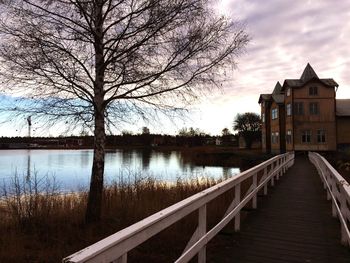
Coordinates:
(343,107)
(278,98)
(308,74)
(264,97)
(277,89)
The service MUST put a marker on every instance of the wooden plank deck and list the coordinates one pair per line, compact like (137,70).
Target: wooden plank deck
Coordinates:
(292,224)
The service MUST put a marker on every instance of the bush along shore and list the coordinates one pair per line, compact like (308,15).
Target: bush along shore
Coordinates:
(40,224)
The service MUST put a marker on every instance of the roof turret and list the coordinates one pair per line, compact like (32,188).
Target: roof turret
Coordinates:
(308,74)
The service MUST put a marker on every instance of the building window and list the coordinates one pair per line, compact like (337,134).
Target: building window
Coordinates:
(274,137)
(313,108)
(321,136)
(313,91)
(289,109)
(289,137)
(288,92)
(298,108)
(263,117)
(306,136)
(274,114)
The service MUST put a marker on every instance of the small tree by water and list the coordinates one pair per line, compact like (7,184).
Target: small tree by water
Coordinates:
(249,126)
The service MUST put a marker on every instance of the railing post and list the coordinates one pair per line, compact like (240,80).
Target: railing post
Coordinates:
(202,230)
(273,177)
(344,237)
(324,179)
(237,200)
(344,211)
(265,175)
(333,188)
(122,259)
(255,185)
(330,183)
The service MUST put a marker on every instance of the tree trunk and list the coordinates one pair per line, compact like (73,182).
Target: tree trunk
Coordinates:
(94,205)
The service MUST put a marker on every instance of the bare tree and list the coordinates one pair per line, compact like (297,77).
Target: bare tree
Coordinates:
(100,62)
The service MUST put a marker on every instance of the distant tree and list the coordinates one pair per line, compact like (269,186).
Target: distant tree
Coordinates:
(225,132)
(249,126)
(182,132)
(145,131)
(191,132)
(226,136)
(102,62)
(126,132)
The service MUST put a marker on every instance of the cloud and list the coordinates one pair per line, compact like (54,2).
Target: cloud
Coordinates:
(288,34)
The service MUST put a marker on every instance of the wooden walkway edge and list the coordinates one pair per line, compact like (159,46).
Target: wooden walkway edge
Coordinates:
(293,223)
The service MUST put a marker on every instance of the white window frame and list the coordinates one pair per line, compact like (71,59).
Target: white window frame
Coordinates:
(314,108)
(288,92)
(321,136)
(274,113)
(307,135)
(289,109)
(289,136)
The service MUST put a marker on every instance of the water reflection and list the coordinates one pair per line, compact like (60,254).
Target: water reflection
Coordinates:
(145,156)
(72,168)
(126,157)
(29,166)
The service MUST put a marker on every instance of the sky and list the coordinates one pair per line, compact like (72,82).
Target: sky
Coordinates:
(285,36)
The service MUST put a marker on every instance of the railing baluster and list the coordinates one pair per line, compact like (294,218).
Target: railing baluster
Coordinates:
(202,230)
(255,184)
(238,199)
(122,259)
(273,177)
(265,175)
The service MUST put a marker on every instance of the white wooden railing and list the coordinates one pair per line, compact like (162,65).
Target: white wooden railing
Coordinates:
(338,191)
(115,247)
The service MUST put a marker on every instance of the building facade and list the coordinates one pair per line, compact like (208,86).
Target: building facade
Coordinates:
(304,115)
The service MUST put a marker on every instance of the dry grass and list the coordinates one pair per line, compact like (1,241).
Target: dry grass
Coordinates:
(45,226)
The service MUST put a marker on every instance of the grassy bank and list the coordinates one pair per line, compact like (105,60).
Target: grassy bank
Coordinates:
(48,227)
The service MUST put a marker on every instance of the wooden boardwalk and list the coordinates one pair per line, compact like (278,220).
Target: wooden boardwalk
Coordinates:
(293,223)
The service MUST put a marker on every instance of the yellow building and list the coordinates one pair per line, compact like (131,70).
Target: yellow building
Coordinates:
(304,115)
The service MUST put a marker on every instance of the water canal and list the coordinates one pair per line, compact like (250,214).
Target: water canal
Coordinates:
(71,168)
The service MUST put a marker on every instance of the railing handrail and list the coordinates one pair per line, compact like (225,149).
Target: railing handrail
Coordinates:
(130,237)
(342,194)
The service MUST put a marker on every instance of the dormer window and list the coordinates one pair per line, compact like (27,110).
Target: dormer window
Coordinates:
(288,92)
(313,91)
